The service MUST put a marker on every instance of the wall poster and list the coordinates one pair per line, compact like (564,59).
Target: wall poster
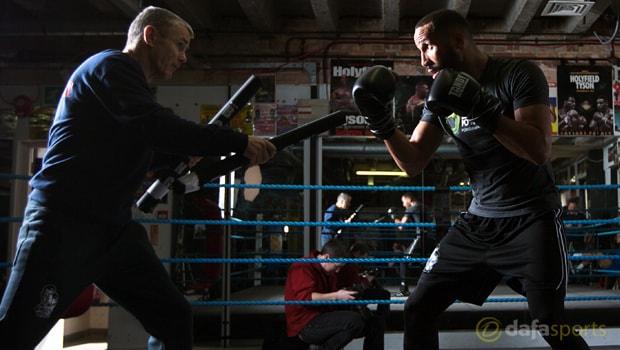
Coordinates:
(344,74)
(585,98)
(411,93)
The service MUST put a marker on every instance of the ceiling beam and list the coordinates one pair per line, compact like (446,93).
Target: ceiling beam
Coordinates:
(31,5)
(325,15)
(460,6)
(59,28)
(391,16)
(197,13)
(520,15)
(103,6)
(580,24)
(129,8)
(261,14)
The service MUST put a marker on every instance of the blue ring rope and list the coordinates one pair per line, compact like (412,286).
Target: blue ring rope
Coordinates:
(353,224)
(312,223)
(361,302)
(349,188)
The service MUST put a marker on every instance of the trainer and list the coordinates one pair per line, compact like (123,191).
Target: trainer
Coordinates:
(107,133)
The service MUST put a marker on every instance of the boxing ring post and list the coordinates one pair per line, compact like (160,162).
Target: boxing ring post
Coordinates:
(226,268)
(313,157)
(224,171)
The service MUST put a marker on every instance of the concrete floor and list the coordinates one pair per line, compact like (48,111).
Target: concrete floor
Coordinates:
(603,311)
(393,341)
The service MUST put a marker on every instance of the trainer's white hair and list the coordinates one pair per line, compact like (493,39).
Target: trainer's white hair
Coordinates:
(163,20)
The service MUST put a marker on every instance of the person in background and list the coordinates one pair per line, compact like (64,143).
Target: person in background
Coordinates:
(576,238)
(496,112)
(108,131)
(352,276)
(337,212)
(611,265)
(412,214)
(327,326)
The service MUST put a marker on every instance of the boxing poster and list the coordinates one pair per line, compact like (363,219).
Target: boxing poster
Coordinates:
(616,93)
(286,118)
(344,74)
(553,107)
(265,119)
(585,97)
(243,121)
(411,93)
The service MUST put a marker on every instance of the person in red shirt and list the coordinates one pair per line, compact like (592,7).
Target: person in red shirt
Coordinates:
(351,276)
(327,326)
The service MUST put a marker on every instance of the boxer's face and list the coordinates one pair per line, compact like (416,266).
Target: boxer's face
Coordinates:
(438,50)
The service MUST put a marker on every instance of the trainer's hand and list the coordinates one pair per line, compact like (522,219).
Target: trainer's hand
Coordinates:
(460,93)
(193,160)
(259,150)
(373,93)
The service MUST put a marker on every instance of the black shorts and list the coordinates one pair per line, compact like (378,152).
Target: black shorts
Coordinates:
(477,252)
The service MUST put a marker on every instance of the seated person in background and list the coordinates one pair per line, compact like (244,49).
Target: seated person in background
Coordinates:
(329,326)
(605,264)
(575,238)
(351,276)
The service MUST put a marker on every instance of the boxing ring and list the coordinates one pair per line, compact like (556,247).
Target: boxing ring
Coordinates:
(232,267)
(244,300)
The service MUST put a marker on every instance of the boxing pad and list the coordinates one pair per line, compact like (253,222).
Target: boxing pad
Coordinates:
(462,94)
(373,93)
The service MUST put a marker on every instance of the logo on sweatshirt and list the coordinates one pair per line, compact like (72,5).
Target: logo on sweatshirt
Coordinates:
(49,299)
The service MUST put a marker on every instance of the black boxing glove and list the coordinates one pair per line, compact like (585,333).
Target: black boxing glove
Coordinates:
(373,93)
(462,94)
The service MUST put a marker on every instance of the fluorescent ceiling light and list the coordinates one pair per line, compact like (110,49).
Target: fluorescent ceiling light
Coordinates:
(380,173)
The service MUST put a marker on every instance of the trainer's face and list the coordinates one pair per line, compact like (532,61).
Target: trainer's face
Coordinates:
(169,51)
(436,51)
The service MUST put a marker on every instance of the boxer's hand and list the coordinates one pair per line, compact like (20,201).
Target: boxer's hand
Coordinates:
(460,93)
(258,150)
(373,93)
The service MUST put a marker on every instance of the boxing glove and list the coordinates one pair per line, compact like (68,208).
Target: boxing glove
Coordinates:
(373,93)
(462,94)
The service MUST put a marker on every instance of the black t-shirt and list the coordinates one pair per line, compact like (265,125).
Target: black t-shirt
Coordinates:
(503,184)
